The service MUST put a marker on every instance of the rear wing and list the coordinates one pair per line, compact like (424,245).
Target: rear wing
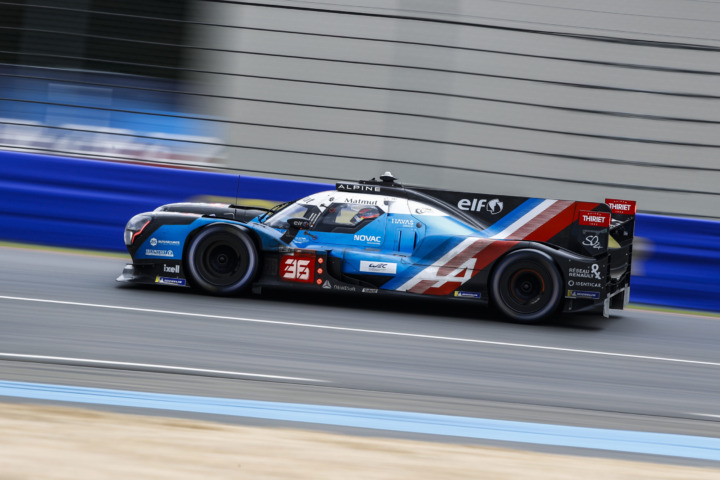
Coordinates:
(599,227)
(622,227)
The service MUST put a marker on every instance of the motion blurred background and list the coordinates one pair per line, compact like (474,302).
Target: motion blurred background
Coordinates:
(548,98)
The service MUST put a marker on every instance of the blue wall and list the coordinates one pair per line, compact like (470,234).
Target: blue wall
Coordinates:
(86,203)
(679,263)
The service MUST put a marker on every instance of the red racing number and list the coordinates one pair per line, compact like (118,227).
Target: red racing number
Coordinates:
(297,269)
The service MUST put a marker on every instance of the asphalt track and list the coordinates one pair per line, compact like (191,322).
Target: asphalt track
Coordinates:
(65,321)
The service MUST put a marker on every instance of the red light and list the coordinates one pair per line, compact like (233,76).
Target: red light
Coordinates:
(318,281)
(139,231)
(320,260)
(320,271)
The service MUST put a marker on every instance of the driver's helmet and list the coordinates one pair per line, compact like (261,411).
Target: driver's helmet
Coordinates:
(365,214)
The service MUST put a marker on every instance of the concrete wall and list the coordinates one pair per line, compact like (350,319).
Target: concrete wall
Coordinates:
(555,98)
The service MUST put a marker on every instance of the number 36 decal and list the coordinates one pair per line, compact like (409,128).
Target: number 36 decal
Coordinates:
(297,269)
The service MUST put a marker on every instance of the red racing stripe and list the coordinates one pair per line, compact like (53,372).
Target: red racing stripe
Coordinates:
(563,217)
(483,251)
(556,217)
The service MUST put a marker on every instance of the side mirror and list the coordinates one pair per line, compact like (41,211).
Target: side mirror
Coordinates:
(294,226)
(299,223)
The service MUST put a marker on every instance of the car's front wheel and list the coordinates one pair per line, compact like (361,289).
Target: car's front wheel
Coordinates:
(525,286)
(222,260)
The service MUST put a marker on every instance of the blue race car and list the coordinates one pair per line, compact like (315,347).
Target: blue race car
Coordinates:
(531,258)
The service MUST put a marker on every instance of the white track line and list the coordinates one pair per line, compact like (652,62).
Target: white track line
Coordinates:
(169,368)
(361,330)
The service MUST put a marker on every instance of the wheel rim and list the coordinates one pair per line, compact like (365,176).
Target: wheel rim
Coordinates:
(221,264)
(221,260)
(526,287)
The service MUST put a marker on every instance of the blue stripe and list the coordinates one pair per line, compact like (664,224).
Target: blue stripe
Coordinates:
(512,217)
(429,259)
(704,448)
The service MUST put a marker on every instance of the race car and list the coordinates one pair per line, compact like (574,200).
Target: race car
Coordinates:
(530,258)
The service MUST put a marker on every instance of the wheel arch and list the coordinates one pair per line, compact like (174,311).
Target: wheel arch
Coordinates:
(251,233)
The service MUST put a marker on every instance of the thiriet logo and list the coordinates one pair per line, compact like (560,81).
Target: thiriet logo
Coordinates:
(595,219)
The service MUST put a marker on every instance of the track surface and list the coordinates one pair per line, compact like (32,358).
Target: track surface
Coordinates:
(636,371)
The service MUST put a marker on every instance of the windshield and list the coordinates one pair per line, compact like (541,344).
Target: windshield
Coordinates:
(347,217)
(295,210)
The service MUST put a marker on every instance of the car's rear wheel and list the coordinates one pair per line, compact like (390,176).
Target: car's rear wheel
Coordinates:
(222,260)
(525,286)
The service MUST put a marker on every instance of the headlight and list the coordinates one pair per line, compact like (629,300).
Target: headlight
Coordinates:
(135,227)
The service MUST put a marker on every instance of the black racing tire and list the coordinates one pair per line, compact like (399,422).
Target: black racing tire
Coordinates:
(222,260)
(526,286)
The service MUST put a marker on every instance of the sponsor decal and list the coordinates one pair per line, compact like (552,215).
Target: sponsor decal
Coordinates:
(150,252)
(352,187)
(378,267)
(344,288)
(361,201)
(493,206)
(423,210)
(170,281)
(461,294)
(621,206)
(402,221)
(594,219)
(369,290)
(155,242)
(584,272)
(368,238)
(327,284)
(297,269)
(592,241)
(171,268)
(583,294)
(584,284)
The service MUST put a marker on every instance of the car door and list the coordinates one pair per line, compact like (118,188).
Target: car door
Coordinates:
(383,258)
(354,231)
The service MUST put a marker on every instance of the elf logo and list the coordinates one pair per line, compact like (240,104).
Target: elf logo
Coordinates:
(493,206)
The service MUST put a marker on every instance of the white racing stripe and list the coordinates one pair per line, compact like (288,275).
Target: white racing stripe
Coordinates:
(367,331)
(149,366)
(520,222)
(441,262)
